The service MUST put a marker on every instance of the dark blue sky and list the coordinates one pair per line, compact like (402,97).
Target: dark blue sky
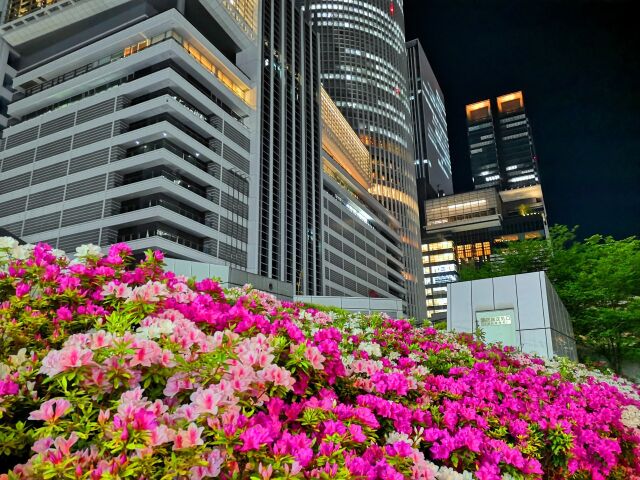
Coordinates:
(578,64)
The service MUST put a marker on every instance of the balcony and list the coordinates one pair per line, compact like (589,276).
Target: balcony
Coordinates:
(237,90)
(160,200)
(173,148)
(167,64)
(155,172)
(165,117)
(157,229)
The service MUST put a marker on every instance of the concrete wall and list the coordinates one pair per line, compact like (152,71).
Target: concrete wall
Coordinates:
(229,277)
(542,324)
(390,306)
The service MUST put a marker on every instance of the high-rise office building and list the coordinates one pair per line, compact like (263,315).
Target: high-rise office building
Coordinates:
(500,143)
(364,70)
(432,158)
(362,244)
(468,228)
(518,158)
(290,187)
(133,121)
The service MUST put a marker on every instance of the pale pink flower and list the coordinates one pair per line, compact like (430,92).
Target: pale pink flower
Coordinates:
(278,376)
(51,410)
(42,445)
(118,290)
(151,292)
(265,472)
(188,438)
(177,383)
(160,435)
(207,401)
(215,460)
(58,361)
(241,376)
(315,357)
(101,339)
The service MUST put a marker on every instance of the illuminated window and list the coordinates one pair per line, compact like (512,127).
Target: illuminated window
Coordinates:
(440,246)
(437,302)
(442,257)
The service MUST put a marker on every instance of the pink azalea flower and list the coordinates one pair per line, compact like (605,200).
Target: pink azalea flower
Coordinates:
(278,376)
(61,360)
(188,438)
(315,357)
(51,410)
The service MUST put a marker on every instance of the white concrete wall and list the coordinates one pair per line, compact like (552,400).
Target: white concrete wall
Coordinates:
(542,323)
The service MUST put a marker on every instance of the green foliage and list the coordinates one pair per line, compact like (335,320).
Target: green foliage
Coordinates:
(325,308)
(441,326)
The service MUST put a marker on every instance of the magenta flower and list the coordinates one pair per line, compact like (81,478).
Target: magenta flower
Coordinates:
(8,387)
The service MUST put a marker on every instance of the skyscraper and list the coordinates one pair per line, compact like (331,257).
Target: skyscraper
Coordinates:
(364,70)
(501,146)
(517,153)
(432,158)
(483,150)
(290,150)
(137,127)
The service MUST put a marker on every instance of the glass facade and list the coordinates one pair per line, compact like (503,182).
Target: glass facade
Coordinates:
(245,13)
(517,154)
(432,158)
(289,239)
(364,70)
(500,143)
(483,152)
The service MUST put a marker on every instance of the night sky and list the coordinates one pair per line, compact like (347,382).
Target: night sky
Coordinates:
(578,65)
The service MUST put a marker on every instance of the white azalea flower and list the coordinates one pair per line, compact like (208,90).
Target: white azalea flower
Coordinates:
(89,250)
(372,349)
(8,243)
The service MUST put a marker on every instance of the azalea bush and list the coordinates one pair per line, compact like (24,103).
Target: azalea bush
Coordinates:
(112,368)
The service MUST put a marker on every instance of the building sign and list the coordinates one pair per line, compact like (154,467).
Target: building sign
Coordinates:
(495,320)
(498,326)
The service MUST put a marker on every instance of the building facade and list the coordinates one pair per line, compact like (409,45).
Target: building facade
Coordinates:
(7,72)
(469,228)
(290,172)
(361,239)
(364,70)
(432,158)
(135,128)
(501,145)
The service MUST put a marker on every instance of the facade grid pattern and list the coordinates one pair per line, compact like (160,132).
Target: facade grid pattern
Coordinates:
(364,70)
(290,151)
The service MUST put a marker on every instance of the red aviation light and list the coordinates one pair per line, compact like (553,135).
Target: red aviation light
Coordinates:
(392,8)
